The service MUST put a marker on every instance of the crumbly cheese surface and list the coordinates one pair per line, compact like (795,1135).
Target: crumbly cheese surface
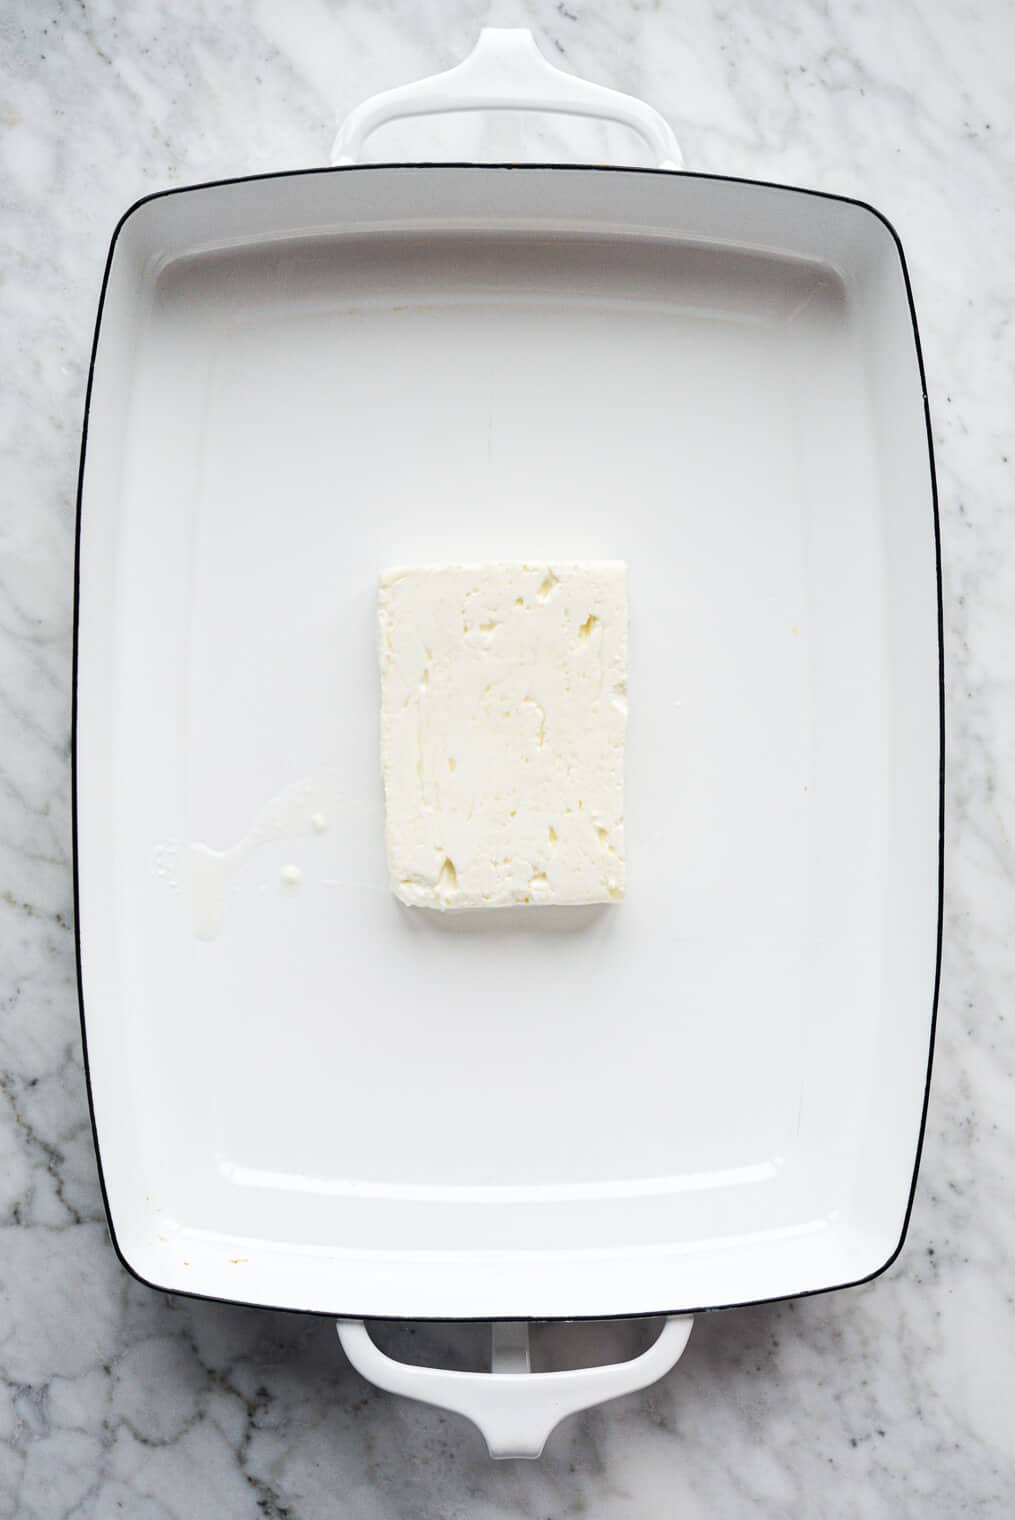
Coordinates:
(503,716)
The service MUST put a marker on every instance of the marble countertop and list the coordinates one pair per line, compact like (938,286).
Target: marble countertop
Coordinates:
(893,1399)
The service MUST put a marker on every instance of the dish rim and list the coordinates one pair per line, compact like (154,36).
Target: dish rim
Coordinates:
(676,176)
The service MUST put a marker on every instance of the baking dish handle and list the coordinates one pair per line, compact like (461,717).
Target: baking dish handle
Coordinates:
(514,1408)
(506,72)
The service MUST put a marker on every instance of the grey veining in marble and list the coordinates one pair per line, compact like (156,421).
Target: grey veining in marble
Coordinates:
(890,1400)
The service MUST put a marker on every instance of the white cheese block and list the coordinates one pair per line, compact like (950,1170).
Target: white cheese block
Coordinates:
(503,714)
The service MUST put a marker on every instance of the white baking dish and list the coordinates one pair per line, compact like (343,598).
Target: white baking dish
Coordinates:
(311,1098)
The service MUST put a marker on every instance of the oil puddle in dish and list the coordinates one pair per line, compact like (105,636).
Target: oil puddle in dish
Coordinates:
(297,812)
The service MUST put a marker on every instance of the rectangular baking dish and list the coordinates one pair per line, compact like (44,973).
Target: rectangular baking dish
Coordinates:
(311,1098)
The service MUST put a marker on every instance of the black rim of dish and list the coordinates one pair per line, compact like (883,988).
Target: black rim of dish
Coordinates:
(676,177)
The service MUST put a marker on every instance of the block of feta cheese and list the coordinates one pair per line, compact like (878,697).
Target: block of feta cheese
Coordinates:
(503,717)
